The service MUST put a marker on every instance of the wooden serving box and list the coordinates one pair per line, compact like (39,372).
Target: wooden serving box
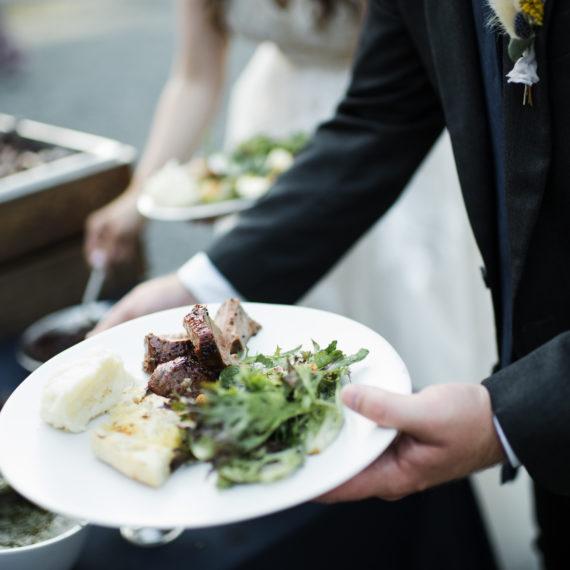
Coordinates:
(42,217)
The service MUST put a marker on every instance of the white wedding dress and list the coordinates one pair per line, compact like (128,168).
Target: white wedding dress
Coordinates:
(415,276)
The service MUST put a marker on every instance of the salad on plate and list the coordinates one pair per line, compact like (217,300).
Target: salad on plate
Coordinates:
(245,173)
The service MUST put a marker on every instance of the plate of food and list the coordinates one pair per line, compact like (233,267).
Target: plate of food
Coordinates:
(219,183)
(198,416)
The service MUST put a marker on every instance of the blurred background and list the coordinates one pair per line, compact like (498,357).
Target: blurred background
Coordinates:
(97,66)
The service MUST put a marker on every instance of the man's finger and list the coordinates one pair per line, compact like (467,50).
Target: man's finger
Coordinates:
(387,409)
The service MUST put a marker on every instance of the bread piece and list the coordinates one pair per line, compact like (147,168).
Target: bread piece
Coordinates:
(141,440)
(84,389)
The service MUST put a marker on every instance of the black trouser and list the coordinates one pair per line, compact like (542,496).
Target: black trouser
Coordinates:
(440,529)
(553,517)
(437,530)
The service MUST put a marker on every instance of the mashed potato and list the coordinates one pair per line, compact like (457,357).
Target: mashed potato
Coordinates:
(173,186)
(84,389)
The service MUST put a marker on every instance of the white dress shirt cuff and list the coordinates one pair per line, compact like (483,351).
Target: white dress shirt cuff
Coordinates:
(511,456)
(203,280)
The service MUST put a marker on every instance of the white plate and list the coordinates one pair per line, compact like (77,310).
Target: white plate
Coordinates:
(58,471)
(148,208)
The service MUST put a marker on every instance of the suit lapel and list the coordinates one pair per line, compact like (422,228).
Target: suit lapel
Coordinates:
(458,69)
(527,132)
(527,156)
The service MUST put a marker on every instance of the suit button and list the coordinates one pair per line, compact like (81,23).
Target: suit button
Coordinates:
(485,276)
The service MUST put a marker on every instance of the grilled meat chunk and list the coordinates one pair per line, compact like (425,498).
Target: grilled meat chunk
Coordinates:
(180,364)
(236,325)
(208,340)
(161,349)
(182,376)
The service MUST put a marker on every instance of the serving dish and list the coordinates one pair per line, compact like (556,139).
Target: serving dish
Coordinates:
(69,324)
(43,210)
(58,553)
(49,203)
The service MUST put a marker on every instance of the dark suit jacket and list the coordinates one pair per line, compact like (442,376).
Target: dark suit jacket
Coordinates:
(418,70)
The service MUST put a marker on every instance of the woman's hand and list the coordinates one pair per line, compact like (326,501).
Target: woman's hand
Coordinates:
(446,433)
(114,230)
(149,297)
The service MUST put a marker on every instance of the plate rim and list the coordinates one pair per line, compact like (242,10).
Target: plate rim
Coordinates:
(149,209)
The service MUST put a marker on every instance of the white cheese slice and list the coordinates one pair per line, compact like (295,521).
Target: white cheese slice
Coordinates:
(140,440)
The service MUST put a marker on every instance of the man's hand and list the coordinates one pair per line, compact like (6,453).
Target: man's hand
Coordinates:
(148,297)
(446,432)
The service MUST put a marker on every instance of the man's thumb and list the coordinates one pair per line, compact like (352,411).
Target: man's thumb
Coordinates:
(387,409)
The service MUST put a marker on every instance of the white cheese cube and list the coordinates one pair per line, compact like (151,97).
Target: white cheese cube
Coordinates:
(140,440)
(84,389)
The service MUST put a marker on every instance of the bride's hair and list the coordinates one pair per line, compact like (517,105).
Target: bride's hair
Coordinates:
(324,9)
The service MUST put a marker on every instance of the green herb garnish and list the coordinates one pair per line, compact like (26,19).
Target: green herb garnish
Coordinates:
(263,416)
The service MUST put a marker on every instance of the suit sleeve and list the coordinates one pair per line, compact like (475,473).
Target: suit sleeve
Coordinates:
(531,400)
(353,170)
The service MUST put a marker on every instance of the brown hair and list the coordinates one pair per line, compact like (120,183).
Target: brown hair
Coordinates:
(324,9)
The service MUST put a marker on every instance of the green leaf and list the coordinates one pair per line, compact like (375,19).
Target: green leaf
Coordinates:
(227,376)
(261,467)
(322,428)
(347,361)
(258,421)
(517,47)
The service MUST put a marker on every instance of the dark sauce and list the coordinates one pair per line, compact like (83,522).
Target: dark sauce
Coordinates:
(53,342)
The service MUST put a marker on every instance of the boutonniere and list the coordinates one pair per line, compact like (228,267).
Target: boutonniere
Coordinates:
(521,20)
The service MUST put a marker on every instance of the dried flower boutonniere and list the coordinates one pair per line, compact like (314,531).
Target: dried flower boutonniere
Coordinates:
(521,19)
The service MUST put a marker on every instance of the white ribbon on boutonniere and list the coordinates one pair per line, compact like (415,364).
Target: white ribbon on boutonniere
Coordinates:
(520,20)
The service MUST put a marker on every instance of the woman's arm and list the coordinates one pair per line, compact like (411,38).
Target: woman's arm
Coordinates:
(191,94)
(186,106)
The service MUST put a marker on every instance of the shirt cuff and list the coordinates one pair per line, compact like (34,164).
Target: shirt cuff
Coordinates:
(511,456)
(203,280)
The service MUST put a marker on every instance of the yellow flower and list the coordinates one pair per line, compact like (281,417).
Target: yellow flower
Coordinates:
(534,9)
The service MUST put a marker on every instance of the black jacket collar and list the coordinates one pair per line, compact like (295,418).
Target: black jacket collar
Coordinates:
(528,152)
(455,53)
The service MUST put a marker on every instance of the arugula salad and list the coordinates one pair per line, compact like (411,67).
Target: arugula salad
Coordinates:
(266,413)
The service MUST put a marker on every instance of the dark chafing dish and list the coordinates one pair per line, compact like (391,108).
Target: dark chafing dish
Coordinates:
(43,209)
(50,201)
